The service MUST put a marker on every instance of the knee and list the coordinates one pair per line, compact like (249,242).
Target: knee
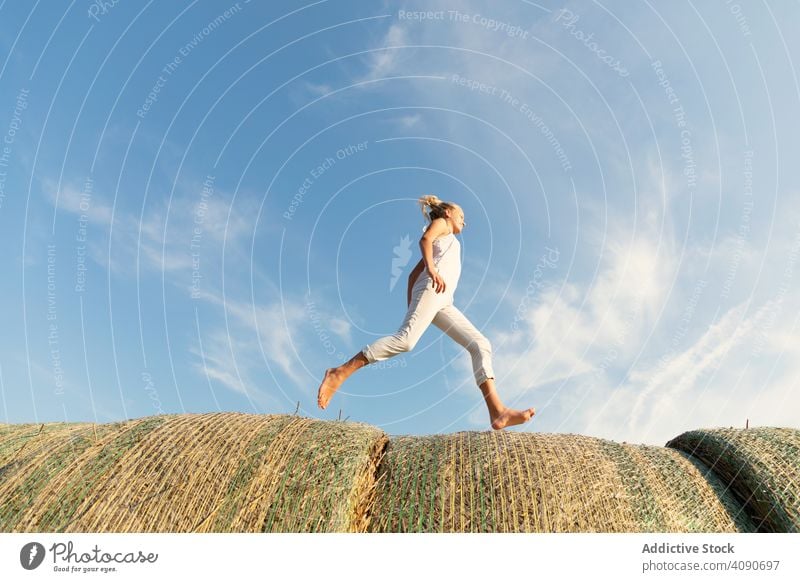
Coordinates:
(405,343)
(481,345)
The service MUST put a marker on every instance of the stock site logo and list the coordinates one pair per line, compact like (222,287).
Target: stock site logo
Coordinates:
(31,555)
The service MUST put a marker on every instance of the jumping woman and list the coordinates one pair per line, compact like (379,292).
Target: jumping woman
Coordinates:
(431,286)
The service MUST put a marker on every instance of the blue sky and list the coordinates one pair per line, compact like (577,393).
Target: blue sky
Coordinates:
(204,205)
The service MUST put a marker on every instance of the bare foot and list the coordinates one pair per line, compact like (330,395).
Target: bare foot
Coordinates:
(510,417)
(330,384)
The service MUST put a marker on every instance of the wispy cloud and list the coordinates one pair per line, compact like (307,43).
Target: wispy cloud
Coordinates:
(571,326)
(383,63)
(318,89)
(672,380)
(78,201)
(172,236)
(267,334)
(215,359)
(230,361)
(739,369)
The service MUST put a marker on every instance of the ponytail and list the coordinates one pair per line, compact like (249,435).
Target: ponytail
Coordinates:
(435,207)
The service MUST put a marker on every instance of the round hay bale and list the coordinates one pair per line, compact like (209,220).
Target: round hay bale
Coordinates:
(233,472)
(30,455)
(225,472)
(522,482)
(760,466)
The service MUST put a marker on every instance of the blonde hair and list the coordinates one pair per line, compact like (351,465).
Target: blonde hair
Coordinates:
(436,207)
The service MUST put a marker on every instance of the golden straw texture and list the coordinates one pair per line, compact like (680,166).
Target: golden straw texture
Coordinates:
(521,482)
(209,472)
(761,467)
(233,472)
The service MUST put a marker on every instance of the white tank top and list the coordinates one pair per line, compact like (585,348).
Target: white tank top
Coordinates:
(447,259)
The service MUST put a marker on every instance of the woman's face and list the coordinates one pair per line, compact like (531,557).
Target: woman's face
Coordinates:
(457,219)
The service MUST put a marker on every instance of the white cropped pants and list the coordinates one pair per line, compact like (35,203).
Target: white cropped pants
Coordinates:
(428,307)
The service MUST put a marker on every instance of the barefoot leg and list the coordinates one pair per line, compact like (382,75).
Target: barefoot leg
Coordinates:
(493,402)
(334,377)
(500,416)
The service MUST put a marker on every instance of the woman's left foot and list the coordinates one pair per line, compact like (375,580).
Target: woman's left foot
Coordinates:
(510,417)
(330,384)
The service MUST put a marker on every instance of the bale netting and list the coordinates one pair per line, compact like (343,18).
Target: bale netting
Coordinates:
(523,482)
(760,466)
(30,455)
(233,472)
(222,472)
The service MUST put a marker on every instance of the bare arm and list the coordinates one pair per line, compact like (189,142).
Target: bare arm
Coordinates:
(435,229)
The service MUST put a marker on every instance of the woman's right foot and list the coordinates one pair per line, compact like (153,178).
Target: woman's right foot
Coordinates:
(330,384)
(510,417)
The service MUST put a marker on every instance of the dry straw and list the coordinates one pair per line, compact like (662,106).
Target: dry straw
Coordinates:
(761,467)
(212,472)
(520,482)
(232,472)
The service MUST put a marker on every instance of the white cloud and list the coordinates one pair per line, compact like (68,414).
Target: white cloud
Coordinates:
(669,381)
(275,327)
(230,360)
(342,328)
(638,354)
(408,121)
(569,329)
(78,201)
(318,89)
(217,361)
(383,63)
(721,379)
(163,246)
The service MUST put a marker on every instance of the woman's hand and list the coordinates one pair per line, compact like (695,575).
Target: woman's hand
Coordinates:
(438,282)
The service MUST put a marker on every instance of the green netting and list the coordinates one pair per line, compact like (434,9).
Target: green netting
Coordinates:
(212,472)
(760,466)
(324,480)
(236,488)
(78,481)
(30,502)
(519,482)
(232,472)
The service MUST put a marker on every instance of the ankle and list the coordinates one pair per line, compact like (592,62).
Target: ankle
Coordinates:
(496,411)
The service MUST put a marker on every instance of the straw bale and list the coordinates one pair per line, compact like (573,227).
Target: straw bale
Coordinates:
(182,473)
(760,466)
(314,476)
(233,472)
(522,482)
(13,438)
(31,456)
(42,487)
